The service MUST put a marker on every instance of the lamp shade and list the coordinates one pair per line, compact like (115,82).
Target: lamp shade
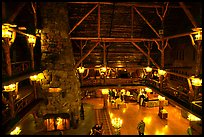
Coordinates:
(81,69)
(33,78)
(10,87)
(161,72)
(196,81)
(148,69)
(32,40)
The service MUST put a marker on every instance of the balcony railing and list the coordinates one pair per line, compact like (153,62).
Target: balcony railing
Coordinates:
(18,68)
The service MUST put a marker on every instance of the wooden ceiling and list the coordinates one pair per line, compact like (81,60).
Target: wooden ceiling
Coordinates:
(117,33)
(120,26)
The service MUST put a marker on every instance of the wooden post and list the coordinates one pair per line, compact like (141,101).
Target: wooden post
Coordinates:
(105,99)
(198,66)
(162,65)
(11,102)
(6,49)
(198,58)
(35,89)
(104,62)
(32,55)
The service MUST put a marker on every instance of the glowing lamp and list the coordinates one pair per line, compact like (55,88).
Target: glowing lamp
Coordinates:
(103,69)
(198,36)
(6,33)
(148,69)
(40,76)
(196,81)
(161,98)
(16,131)
(105,91)
(34,77)
(192,117)
(161,72)
(148,89)
(32,40)
(81,69)
(10,87)
(117,123)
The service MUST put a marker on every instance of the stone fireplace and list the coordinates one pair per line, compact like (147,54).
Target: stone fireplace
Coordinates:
(61,86)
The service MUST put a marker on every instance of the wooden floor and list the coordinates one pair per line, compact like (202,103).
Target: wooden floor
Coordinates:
(175,124)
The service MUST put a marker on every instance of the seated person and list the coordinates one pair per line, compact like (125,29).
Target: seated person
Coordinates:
(97,130)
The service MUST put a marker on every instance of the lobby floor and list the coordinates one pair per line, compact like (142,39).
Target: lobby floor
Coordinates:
(175,124)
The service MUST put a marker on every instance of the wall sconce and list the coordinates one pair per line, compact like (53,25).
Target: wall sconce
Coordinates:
(196,81)
(34,78)
(198,36)
(37,77)
(40,76)
(102,70)
(148,69)
(81,69)
(161,72)
(38,32)
(8,33)
(31,40)
(10,87)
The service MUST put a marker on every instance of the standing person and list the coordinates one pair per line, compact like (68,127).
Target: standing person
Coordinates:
(141,127)
(189,131)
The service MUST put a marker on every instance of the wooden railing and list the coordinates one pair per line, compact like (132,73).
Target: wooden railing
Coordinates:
(17,68)
(175,86)
(24,102)
(19,105)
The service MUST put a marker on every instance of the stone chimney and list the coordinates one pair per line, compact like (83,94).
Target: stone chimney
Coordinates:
(61,86)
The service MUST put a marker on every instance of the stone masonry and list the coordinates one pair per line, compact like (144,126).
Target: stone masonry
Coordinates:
(58,61)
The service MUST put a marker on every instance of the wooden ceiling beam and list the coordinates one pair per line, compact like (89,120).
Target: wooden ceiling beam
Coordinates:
(179,35)
(137,4)
(95,39)
(188,13)
(83,19)
(146,55)
(15,13)
(3,6)
(147,22)
(78,63)
(99,19)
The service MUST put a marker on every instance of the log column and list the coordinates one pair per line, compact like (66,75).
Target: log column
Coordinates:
(31,47)
(6,48)
(198,65)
